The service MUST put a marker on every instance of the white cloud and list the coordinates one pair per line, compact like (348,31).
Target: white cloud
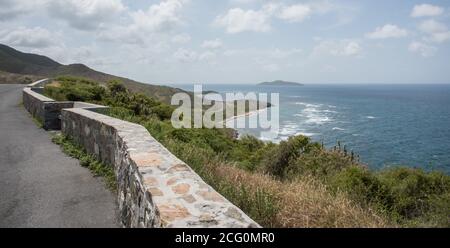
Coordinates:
(10,9)
(343,13)
(150,26)
(237,20)
(341,48)
(437,32)
(387,31)
(36,37)
(207,56)
(352,48)
(162,16)
(422,49)
(85,14)
(212,44)
(424,10)
(185,55)
(181,38)
(323,7)
(432,26)
(440,37)
(295,13)
(243,1)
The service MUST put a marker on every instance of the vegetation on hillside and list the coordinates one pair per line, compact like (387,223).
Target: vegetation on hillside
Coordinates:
(13,78)
(297,183)
(16,66)
(14,61)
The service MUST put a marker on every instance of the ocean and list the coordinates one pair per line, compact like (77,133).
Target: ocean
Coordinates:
(386,125)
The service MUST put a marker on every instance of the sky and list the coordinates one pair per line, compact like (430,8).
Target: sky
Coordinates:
(239,41)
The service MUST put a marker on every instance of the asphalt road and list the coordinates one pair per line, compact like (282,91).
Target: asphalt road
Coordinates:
(39,185)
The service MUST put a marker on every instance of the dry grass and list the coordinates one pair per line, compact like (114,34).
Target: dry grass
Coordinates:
(55,84)
(13,78)
(303,203)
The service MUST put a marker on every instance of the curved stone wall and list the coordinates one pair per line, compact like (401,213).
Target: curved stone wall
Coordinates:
(155,188)
(46,110)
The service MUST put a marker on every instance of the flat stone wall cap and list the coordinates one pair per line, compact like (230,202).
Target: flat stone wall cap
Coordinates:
(36,95)
(87,105)
(38,83)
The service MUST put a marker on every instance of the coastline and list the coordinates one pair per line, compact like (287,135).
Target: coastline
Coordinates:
(248,114)
(255,112)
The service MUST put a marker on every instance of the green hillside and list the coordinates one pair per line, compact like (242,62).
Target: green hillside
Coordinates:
(19,67)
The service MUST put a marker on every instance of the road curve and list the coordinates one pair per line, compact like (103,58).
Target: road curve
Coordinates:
(39,185)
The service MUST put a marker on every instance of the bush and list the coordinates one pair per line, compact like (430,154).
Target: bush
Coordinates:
(248,152)
(416,193)
(115,87)
(405,194)
(116,95)
(363,186)
(279,159)
(74,89)
(163,111)
(319,163)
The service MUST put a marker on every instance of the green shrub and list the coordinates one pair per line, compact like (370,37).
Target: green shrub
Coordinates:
(363,186)
(74,89)
(250,143)
(408,196)
(417,193)
(116,95)
(115,87)
(319,163)
(163,111)
(280,158)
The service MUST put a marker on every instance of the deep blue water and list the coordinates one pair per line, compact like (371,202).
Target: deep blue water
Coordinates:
(385,124)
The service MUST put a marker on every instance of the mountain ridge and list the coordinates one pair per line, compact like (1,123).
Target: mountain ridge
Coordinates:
(20,67)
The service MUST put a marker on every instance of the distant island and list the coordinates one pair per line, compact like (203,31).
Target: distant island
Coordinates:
(280,83)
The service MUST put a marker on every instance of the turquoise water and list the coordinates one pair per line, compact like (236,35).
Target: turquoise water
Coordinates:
(385,124)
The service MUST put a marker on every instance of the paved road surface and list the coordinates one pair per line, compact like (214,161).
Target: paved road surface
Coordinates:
(39,185)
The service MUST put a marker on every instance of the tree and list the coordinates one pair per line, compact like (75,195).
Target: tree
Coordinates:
(115,87)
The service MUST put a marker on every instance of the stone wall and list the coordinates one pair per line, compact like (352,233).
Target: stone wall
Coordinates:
(34,103)
(46,110)
(155,188)
(39,83)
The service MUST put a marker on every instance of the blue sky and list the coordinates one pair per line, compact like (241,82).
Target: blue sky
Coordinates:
(239,41)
